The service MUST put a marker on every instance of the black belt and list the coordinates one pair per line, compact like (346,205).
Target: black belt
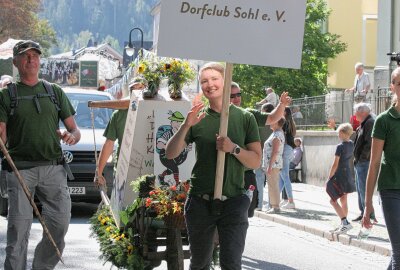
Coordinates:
(26,165)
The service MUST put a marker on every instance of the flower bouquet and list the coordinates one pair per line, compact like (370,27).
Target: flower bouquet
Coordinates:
(151,68)
(168,203)
(178,72)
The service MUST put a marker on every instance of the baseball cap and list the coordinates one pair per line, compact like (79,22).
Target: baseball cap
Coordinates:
(24,45)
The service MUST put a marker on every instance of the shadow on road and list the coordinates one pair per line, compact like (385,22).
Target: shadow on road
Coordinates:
(251,263)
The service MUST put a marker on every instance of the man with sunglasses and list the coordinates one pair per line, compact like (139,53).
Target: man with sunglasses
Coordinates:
(31,132)
(262,119)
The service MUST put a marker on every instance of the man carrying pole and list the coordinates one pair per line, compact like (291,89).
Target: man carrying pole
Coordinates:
(30,111)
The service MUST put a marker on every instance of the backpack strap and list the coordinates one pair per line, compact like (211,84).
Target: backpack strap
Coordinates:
(12,91)
(50,91)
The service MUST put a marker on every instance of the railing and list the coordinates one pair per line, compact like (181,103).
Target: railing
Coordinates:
(337,105)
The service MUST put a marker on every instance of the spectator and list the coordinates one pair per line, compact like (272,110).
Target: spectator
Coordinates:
(265,132)
(271,97)
(361,84)
(33,138)
(244,150)
(341,181)
(362,151)
(385,169)
(272,163)
(289,128)
(297,154)
(297,113)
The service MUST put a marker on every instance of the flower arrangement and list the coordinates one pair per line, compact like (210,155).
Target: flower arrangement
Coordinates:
(116,245)
(124,246)
(167,200)
(178,72)
(152,69)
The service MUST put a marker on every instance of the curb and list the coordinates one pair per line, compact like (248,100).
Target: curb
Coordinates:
(342,238)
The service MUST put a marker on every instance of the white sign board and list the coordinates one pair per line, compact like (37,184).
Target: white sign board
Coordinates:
(256,32)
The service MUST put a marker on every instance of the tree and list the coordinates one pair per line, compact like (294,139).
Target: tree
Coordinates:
(19,20)
(318,47)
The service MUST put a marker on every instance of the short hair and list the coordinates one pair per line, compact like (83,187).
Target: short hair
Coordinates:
(362,107)
(235,85)
(267,107)
(359,65)
(395,74)
(213,65)
(346,129)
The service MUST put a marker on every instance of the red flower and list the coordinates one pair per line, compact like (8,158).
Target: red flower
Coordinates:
(148,202)
(173,188)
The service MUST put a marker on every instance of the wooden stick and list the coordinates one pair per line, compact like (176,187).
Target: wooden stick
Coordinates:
(110,104)
(223,131)
(30,198)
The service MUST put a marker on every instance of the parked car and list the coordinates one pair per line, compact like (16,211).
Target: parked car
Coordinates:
(81,157)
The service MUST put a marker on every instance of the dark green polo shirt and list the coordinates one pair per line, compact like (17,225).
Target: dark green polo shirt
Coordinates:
(387,128)
(31,136)
(242,130)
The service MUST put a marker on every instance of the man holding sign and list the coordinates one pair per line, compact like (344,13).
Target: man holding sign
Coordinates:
(243,149)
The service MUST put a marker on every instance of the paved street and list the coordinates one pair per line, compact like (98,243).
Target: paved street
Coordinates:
(269,245)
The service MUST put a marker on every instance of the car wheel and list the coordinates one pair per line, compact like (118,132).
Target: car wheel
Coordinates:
(3,206)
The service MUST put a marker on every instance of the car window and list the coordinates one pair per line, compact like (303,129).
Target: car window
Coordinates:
(83,116)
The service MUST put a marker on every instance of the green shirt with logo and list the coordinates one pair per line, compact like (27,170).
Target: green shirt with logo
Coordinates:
(31,135)
(387,128)
(242,130)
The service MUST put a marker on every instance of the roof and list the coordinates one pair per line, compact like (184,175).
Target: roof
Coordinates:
(6,48)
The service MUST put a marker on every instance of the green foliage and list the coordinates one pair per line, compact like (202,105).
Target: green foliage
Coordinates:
(318,47)
(116,246)
(19,20)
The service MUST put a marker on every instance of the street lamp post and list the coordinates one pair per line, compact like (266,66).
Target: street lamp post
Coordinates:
(130,49)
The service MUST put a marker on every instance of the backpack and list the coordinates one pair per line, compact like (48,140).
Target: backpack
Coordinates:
(160,132)
(12,91)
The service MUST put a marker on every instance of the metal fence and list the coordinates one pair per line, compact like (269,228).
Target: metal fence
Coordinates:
(315,112)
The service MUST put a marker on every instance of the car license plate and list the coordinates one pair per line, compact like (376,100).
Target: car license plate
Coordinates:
(77,190)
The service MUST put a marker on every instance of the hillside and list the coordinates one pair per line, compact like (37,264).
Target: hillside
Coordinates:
(77,21)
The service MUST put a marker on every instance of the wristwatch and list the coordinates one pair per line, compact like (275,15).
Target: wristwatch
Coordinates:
(236,150)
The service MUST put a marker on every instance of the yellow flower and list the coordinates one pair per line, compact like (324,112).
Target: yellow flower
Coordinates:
(141,68)
(108,228)
(122,235)
(103,221)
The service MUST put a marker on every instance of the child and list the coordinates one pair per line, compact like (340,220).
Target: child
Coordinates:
(297,153)
(272,163)
(340,181)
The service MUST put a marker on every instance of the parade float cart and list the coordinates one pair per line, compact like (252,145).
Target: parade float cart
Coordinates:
(149,232)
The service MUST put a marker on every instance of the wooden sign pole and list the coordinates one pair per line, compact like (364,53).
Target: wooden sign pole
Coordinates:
(223,131)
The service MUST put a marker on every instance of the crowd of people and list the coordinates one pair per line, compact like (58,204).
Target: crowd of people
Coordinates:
(372,150)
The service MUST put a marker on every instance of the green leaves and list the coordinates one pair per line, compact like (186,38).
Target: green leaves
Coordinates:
(310,80)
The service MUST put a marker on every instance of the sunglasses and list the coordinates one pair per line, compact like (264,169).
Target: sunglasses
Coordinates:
(236,95)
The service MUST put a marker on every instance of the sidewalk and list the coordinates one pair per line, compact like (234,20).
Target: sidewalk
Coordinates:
(315,215)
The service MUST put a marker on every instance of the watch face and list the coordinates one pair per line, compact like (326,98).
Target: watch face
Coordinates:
(237,150)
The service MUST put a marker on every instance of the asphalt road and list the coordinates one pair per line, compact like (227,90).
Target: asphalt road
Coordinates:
(269,246)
